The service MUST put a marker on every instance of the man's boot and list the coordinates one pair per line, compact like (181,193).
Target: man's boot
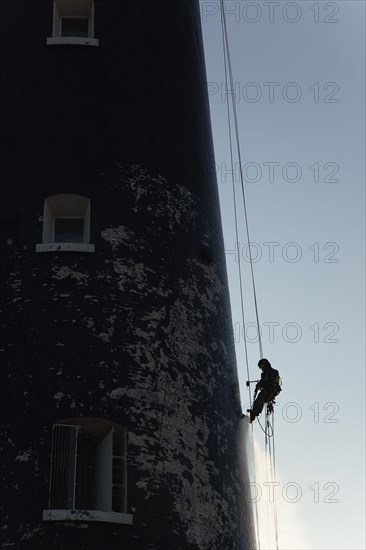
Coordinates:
(252,415)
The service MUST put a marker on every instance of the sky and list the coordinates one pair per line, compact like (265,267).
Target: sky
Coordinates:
(299,72)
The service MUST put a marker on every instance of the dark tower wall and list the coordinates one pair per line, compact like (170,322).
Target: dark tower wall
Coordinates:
(138,332)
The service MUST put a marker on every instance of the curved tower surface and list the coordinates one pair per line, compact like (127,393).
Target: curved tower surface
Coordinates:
(121,418)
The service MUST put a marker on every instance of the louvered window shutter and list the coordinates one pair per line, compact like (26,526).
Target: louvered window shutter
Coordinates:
(63,467)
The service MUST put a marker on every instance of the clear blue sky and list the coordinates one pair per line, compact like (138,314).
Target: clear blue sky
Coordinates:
(300,74)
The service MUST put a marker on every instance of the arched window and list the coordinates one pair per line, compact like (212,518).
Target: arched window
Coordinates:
(66,224)
(73,23)
(88,471)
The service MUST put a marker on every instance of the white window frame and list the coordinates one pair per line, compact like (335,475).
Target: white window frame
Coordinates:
(72,8)
(65,206)
(66,442)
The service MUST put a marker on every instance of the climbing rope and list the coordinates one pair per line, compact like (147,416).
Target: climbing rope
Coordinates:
(238,147)
(226,53)
(269,428)
(267,476)
(272,467)
(227,65)
(273,472)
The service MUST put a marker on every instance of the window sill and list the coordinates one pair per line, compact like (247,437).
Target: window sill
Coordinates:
(87,515)
(65,247)
(71,41)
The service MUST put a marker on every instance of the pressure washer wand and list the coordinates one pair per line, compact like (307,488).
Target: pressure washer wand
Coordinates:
(248,382)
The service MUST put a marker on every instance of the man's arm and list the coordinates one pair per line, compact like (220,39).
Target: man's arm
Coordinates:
(260,384)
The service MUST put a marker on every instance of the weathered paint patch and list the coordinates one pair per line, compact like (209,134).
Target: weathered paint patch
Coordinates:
(138,334)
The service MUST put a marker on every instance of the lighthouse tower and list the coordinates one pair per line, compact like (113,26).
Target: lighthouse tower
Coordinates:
(121,419)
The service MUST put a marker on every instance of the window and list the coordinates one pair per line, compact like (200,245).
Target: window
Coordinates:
(73,23)
(66,224)
(88,471)
(75,26)
(69,230)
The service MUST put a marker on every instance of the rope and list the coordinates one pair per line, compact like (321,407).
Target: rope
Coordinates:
(264,430)
(268,427)
(274,478)
(227,64)
(226,54)
(266,460)
(270,459)
(272,462)
(223,18)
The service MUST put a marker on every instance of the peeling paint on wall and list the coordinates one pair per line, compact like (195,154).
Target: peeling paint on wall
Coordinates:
(139,333)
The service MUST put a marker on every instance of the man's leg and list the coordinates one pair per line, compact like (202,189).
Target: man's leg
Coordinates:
(258,405)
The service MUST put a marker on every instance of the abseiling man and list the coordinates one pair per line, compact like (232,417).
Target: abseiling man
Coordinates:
(269,386)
